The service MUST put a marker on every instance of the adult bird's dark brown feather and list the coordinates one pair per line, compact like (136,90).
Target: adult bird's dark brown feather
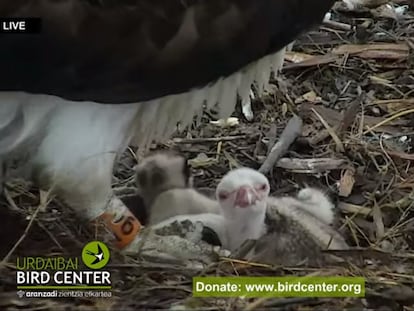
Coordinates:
(130,51)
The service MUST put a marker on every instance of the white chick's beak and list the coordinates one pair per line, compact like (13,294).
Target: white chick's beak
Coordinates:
(245,197)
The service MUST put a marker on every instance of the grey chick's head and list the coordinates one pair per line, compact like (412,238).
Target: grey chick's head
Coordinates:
(160,172)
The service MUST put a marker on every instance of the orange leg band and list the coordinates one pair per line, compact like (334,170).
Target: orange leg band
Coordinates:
(125,229)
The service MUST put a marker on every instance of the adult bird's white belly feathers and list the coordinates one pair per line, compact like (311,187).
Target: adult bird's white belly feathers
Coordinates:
(164,182)
(68,147)
(101,75)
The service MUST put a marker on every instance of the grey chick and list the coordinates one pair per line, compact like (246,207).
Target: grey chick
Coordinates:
(164,181)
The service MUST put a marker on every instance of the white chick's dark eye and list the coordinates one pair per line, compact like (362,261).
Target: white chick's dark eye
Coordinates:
(263,187)
(223,196)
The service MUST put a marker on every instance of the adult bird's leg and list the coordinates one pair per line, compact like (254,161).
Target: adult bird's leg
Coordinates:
(79,152)
(71,149)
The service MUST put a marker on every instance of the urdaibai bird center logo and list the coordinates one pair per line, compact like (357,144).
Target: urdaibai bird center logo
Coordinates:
(59,276)
(95,255)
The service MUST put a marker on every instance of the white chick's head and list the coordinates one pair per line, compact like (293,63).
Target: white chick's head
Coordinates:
(243,192)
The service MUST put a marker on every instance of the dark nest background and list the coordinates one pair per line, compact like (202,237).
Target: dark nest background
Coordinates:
(357,105)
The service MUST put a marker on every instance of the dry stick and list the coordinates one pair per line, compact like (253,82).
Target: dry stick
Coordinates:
(272,135)
(290,133)
(26,231)
(311,166)
(244,249)
(1,175)
(337,25)
(9,199)
(281,302)
(289,301)
(208,139)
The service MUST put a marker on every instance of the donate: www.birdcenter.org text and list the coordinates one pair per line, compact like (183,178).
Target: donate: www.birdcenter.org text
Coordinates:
(278,287)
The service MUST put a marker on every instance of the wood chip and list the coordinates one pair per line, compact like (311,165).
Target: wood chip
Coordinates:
(311,166)
(346,184)
(354,209)
(314,61)
(374,51)
(290,133)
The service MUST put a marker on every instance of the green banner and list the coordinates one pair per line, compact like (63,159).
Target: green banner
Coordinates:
(290,286)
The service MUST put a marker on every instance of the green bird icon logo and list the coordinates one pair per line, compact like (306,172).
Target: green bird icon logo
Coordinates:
(95,255)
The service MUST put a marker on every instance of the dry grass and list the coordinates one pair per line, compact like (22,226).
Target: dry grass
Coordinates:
(357,108)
